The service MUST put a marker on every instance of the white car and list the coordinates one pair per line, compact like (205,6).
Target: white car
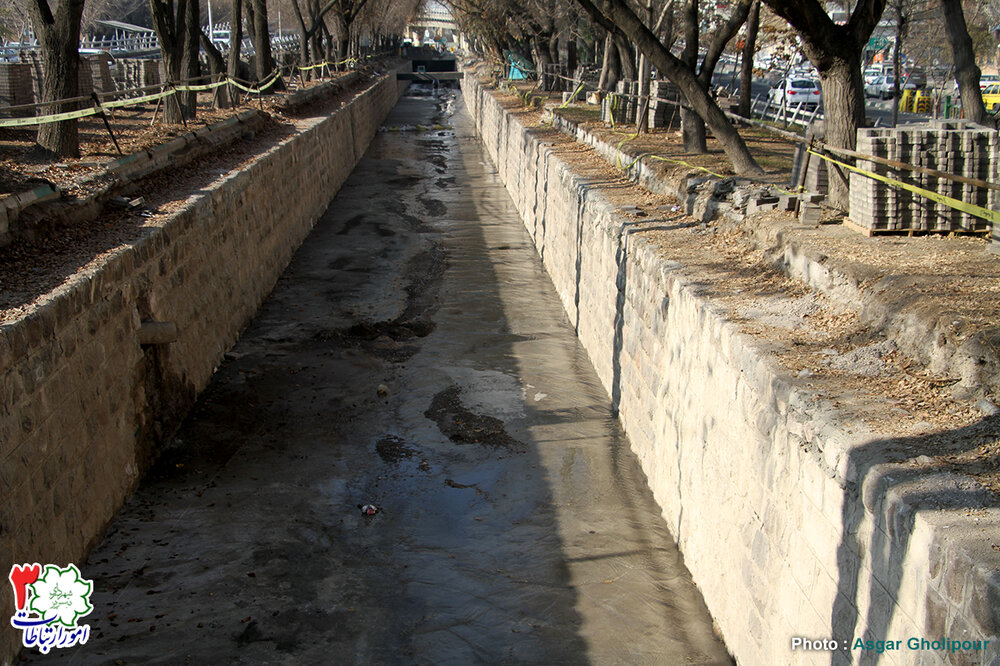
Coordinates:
(795,92)
(882,87)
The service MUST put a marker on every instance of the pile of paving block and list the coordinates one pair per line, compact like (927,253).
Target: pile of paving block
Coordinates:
(954,147)
(815,179)
(664,104)
(132,73)
(619,107)
(622,106)
(16,88)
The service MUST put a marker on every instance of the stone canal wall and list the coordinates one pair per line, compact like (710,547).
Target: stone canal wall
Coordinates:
(789,520)
(111,361)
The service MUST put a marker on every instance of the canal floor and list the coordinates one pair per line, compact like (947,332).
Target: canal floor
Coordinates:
(413,357)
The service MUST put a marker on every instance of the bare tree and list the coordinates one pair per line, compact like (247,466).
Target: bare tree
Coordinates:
(170,23)
(835,51)
(749,50)
(966,71)
(260,35)
(617,17)
(59,37)
(235,46)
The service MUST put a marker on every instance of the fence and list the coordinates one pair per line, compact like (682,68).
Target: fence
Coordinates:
(797,115)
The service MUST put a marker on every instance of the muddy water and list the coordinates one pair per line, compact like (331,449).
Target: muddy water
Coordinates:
(413,357)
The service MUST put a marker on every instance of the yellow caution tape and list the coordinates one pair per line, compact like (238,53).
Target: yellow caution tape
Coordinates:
(573,96)
(132,101)
(261,88)
(972,209)
(54,118)
(207,86)
(687,164)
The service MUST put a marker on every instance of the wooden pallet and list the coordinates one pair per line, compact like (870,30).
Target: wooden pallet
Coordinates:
(864,231)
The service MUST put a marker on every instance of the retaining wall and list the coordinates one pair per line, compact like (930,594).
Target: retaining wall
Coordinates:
(790,516)
(82,399)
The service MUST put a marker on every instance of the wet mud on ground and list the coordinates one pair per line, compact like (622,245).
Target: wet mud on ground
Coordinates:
(414,357)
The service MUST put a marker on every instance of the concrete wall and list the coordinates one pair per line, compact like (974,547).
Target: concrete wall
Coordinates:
(82,400)
(792,523)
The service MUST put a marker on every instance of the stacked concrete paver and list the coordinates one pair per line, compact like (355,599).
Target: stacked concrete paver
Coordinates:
(952,147)
(15,88)
(663,104)
(620,107)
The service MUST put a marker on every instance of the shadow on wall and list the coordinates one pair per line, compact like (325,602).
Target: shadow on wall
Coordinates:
(894,493)
(625,231)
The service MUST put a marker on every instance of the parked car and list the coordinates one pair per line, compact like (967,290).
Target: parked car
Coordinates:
(915,75)
(872,73)
(795,92)
(985,81)
(991,97)
(882,87)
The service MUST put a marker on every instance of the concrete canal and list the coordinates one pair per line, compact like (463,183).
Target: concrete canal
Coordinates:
(413,357)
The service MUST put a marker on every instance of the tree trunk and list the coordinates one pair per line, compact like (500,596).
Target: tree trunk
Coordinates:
(692,126)
(169,22)
(303,38)
(328,44)
(966,71)
(835,51)
(642,112)
(645,71)
(844,110)
(190,65)
(261,40)
(714,51)
(59,37)
(609,66)
(626,60)
(571,55)
(235,46)
(896,62)
(542,58)
(217,66)
(749,49)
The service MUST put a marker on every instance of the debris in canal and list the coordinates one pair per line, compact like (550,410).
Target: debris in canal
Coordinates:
(463,426)
(369,509)
(393,449)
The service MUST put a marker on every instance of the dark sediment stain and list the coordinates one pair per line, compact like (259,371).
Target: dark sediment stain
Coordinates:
(393,449)
(463,426)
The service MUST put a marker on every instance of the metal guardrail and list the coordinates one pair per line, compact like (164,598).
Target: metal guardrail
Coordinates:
(796,115)
(131,45)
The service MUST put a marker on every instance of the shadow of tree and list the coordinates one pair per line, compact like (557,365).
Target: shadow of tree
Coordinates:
(893,484)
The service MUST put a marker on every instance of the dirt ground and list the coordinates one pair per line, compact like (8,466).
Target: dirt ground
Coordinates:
(32,267)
